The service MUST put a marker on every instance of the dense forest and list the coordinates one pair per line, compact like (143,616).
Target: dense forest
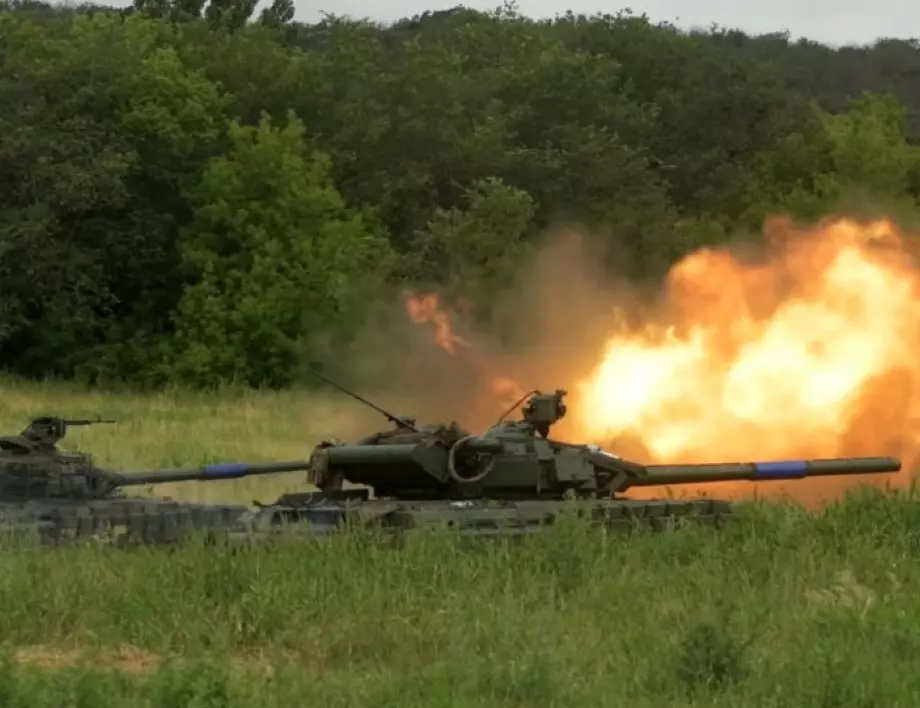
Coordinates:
(202,193)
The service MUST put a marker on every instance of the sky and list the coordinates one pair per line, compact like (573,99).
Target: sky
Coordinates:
(834,22)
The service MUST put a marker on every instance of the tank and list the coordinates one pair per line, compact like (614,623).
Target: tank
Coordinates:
(64,496)
(511,479)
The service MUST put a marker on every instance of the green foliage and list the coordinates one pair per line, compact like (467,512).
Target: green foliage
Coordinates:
(868,146)
(220,15)
(271,251)
(709,658)
(105,127)
(478,246)
(780,608)
(154,227)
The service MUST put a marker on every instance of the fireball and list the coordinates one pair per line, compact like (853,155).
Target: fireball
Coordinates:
(810,350)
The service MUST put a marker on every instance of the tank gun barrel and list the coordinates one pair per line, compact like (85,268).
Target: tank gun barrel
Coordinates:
(86,421)
(224,470)
(764,471)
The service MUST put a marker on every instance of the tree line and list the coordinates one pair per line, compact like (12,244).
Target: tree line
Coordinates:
(195,192)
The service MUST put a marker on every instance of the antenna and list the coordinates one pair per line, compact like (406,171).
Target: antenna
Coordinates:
(399,422)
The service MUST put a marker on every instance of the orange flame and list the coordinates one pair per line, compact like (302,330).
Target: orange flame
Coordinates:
(426,309)
(770,360)
(813,352)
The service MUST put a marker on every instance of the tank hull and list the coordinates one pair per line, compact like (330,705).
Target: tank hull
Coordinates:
(131,522)
(322,514)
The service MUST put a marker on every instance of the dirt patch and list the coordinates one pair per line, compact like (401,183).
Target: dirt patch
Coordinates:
(122,658)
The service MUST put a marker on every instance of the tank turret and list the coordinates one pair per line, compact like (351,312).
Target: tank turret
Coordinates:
(518,459)
(42,435)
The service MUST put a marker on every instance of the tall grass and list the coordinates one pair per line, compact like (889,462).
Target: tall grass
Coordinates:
(783,608)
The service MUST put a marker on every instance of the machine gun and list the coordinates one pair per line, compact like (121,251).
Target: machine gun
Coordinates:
(43,434)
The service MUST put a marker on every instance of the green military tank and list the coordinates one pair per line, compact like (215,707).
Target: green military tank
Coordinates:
(513,478)
(62,496)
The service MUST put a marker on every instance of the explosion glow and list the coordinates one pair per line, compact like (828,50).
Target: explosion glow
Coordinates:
(813,351)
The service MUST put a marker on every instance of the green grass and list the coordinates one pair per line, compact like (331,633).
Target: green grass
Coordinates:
(784,608)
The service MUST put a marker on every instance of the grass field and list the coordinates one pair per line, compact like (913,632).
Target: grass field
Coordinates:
(785,608)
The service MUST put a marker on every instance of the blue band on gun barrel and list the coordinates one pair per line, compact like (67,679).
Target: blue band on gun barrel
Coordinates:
(226,470)
(786,469)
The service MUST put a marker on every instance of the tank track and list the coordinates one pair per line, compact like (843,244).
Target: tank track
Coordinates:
(130,522)
(119,522)
(327,513)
